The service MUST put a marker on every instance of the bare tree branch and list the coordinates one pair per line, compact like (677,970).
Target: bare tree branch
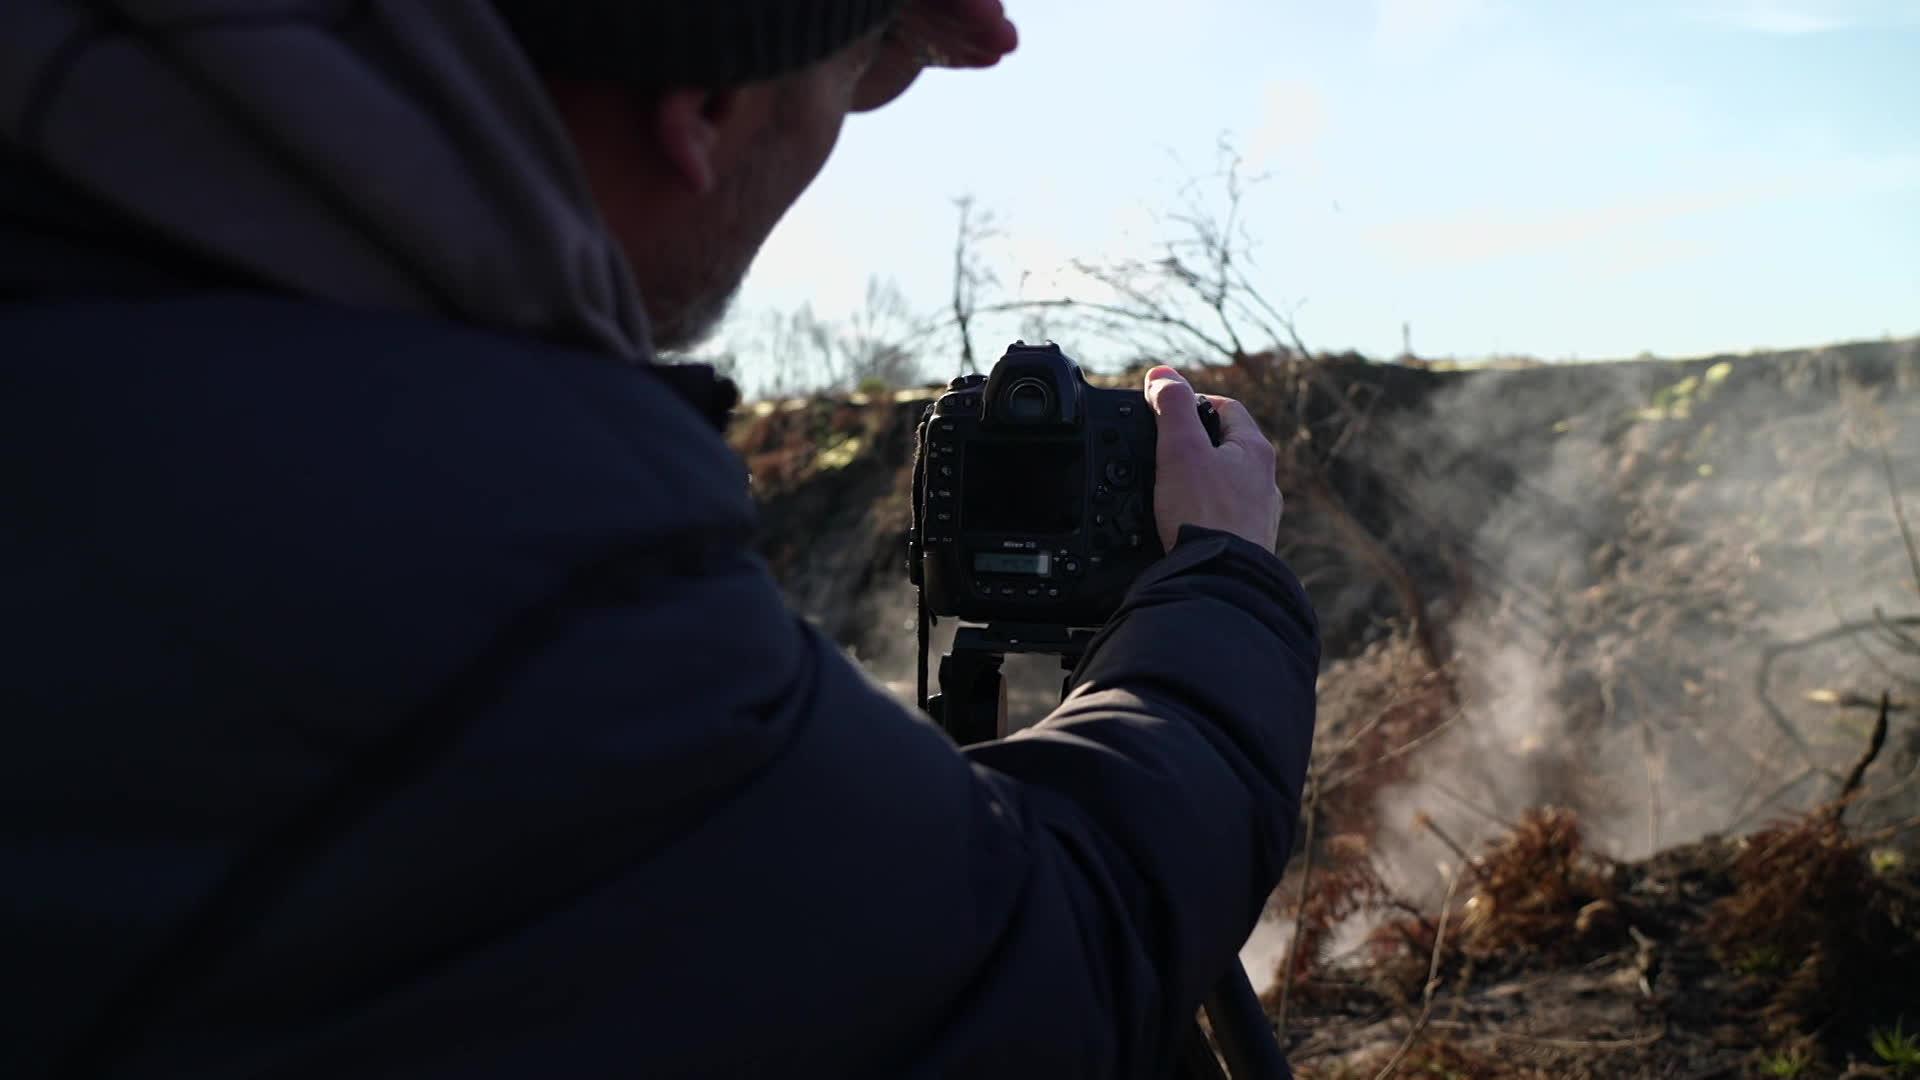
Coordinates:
(1288,963)
(969,275)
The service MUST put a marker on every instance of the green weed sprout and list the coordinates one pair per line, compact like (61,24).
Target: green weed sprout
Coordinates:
(1786,1063)
(1898,1049)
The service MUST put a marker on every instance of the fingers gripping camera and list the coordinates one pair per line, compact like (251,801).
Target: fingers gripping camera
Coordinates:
(1033,493)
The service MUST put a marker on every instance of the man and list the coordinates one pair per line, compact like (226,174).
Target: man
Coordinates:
(390,690)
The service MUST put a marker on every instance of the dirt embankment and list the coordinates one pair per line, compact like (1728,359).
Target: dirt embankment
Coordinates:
(1441,455)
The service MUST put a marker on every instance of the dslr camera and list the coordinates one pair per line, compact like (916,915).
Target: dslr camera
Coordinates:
(1033,494)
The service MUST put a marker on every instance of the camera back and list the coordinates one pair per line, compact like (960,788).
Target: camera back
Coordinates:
(1033,494)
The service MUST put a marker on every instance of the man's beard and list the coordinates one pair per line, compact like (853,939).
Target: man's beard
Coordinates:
(687,308)
(687,324)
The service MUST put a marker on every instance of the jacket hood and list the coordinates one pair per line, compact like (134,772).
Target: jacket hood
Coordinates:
(384,154)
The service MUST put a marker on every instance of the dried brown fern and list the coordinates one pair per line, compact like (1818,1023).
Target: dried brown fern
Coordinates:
(1811,921)
(1347,887)
(1531,888)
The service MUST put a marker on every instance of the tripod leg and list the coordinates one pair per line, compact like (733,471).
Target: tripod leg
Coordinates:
(1197,1061)
(1246,1036)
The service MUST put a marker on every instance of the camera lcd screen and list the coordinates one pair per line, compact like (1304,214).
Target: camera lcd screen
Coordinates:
(1023,487)
(1039,563)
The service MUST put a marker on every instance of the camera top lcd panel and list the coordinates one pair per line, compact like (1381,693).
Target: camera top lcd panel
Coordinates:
(1035,494)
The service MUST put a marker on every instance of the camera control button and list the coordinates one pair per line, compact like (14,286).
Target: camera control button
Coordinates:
(946,425)
(1120,473)
(1102,495)
(964,382)
(1126,410)
(1006,590)
(1053,593)
(1071,566)
(1033,591)
(1099,519)
(946,470)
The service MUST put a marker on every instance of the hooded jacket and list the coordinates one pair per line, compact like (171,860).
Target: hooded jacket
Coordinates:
(389,686)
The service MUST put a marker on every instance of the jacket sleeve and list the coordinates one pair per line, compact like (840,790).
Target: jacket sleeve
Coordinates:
(688,835)
(1165,789)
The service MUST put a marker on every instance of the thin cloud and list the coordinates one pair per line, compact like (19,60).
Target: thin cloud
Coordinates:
(1485,235)
(1488,234)
(1780,23)
(1406,28)
(1782,19)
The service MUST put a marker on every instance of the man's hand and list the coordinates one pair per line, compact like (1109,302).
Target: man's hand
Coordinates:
(1229,487)
(935,33)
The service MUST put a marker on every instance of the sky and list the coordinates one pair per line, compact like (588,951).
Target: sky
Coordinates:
(1564,179)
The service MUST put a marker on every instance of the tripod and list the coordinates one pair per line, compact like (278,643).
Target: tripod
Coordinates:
(971,707)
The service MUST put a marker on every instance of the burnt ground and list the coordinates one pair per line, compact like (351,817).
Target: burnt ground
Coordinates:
(1661,968)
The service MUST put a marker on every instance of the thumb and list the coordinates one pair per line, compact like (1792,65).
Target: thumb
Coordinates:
(1173,402)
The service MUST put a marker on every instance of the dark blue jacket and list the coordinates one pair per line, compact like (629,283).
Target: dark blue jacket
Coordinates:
(387,698)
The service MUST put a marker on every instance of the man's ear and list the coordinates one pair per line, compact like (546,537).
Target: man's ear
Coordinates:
(692,129)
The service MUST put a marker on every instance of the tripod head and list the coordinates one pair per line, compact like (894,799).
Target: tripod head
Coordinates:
(972,704)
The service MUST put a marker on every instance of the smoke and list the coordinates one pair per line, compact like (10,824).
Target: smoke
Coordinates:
(1636,540)
(1265,951)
